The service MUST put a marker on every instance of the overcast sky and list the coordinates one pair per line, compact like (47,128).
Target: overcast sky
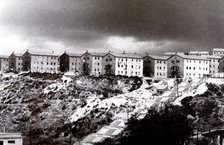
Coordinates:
(152,26)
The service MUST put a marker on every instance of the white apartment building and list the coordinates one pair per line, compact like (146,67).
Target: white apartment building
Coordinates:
(127,64)
(218,51)
(188,66)
(41,62)
(4,63)
(15,62)
(155,66)
(11,139)
(213,64)
(71,62)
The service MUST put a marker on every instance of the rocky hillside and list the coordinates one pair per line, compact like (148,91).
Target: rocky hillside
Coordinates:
(40,105)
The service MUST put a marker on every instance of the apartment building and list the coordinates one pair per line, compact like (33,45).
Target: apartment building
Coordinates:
(213,64)
(188,66)
(4,63)
(155,66)
(71,62)
(218,51)
(15,62)
(128,64)
(91,63)
(41,62)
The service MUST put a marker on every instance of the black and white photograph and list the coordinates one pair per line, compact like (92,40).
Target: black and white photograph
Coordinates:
(111,72)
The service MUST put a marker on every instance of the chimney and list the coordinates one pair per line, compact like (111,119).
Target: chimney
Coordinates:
(52,51)
(123,52)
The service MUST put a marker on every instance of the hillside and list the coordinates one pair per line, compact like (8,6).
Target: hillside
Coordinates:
(40,105)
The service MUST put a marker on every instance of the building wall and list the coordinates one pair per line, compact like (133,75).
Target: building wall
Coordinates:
(175,61)
(4,64)
(44,64)
(18,141)
(26,61)
(129,66)
(148,66)
(97,65)
(135,67)
(64,63)
(221,65)
(86,58)
(108,61)
(218,53)
(160,68)
(214,66)
(75,64)
(195,68)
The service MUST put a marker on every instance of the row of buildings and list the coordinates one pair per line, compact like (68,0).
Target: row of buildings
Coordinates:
(194,64)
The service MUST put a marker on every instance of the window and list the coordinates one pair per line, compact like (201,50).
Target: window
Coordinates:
(177,61)
(11,141)
(106,59)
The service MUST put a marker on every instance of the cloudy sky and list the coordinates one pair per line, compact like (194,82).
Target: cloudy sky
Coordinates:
(152,26)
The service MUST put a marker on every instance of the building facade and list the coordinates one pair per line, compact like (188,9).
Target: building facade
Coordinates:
(92,63)
(11,139)
(188,66)
(155,66)
(213,64)
(70,62)
(218,51)
(42,63)
(127,64)
(15,62)
(4,63)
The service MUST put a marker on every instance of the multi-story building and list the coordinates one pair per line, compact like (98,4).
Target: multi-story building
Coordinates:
(218,51)
(213,64)
(4,63)
(41,62)
(71,62)
(127,64)
(91,63)
(188,66)
(15,62)
(124,64)
(155,66)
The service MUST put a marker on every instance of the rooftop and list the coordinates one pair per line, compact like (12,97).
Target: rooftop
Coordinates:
(127,55)
(10,135)
(158,57)
(218,49)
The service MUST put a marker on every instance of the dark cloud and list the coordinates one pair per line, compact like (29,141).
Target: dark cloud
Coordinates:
(192,23)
